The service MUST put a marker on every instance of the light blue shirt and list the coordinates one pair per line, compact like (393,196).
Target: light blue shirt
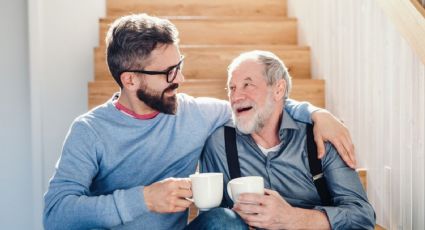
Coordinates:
(287,171)
(108,157)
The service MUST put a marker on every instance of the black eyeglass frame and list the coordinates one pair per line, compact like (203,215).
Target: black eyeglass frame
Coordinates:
(165,72)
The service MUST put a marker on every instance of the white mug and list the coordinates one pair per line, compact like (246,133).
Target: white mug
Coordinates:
(248,184)
(207,190)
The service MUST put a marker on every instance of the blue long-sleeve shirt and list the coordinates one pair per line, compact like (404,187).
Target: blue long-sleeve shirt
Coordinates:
(287,171)
(108,157)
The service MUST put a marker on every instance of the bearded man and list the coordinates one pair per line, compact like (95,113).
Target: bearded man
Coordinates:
(273,144)
(125,164)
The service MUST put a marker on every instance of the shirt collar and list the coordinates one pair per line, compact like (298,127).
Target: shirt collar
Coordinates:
(129,112)
(286,124)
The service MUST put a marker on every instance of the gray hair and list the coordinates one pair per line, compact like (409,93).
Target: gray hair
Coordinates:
(274,68)
(131,39)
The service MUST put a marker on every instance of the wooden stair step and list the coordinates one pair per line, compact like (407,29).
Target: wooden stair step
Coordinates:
(195,7)
(303,89)
(229,30)
(212,61)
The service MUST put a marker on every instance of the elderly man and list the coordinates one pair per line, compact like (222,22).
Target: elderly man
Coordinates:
(125,163)
(272,143)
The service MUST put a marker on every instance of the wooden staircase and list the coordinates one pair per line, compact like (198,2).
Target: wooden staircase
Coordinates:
(212,33)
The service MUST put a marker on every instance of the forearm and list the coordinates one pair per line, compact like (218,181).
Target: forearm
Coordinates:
(301,111)
(355,214)
(309,219)
(76,211)
(306,112)
(350,208)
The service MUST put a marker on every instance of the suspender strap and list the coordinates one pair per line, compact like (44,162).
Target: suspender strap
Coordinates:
(316,168)
(232,152)
(314,163)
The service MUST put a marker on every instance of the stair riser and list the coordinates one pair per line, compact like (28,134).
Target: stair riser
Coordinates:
(237,32)
(196,7)
(212,62)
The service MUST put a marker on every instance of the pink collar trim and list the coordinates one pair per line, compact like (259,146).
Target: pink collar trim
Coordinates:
(131,113)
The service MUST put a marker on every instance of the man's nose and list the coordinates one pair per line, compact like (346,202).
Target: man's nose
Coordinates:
(236,96)
(179,78)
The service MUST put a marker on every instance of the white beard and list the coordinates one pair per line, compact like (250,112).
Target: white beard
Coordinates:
(254,123)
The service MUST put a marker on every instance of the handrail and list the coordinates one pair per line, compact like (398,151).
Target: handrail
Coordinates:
(409,22)
(420,6)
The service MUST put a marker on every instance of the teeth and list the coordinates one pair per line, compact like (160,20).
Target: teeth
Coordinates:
(241,107)
(244,109)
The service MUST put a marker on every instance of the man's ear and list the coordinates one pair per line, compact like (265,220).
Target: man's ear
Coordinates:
(280,90)
(129,81)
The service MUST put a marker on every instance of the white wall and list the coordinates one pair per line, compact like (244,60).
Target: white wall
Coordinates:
(376,84)
(62,37)
(15,163)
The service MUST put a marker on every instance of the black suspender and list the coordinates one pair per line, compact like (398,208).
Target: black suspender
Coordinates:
(316,168)
(314,163)
(232,152)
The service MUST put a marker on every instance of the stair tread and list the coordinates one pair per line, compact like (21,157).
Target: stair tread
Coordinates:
(204,61)
(211,34)
(189,18)
(243,46)
(184,7)
(217,31)
(236,46)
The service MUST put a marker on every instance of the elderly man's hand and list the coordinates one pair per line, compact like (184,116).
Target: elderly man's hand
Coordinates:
(168,195)
(329,128)
(271,211)
(268,211)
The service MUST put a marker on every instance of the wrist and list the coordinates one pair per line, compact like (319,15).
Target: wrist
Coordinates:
(146,196)
(316,114)
(297,217)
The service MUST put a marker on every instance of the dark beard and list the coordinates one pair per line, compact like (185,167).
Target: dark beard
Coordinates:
(158,102)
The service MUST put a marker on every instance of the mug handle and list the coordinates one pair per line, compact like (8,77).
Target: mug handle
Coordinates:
(229,191)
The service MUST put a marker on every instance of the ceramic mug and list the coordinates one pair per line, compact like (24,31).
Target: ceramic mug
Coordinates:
(248,184)
(207,190)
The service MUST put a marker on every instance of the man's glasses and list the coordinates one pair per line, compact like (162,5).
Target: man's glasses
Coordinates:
(170,72)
